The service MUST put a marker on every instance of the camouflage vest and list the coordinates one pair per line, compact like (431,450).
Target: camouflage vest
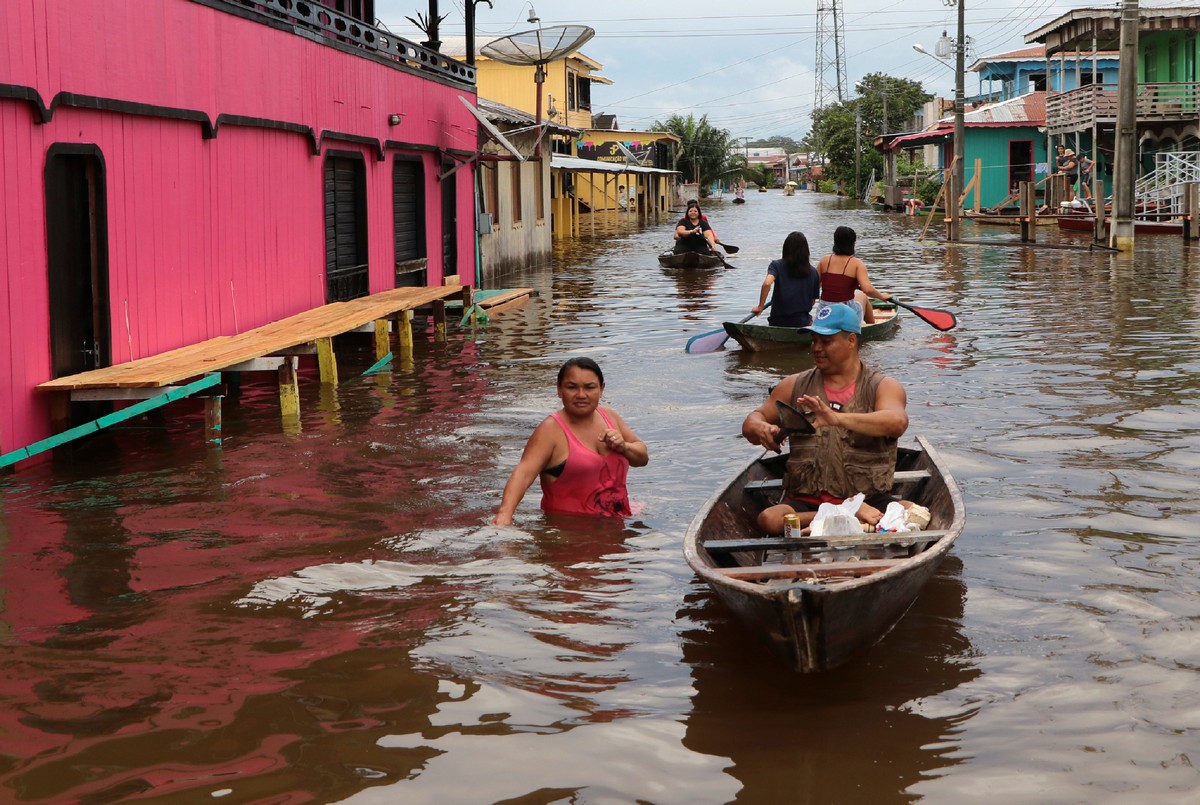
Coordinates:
(835,460)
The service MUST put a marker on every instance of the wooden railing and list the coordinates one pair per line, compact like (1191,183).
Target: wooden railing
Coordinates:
(1097,103)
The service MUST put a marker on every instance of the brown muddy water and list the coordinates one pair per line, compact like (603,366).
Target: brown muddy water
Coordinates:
(325,615)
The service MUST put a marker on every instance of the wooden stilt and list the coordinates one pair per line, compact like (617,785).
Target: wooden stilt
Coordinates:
(439,320)
(60,411)
(289,395)
(383,345)
(212,421)
(404,334)
(327,361)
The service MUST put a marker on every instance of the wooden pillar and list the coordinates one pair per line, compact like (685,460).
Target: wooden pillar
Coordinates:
(383,343)
(439,320)
(327,361)
(289,395)
(212,421)
(1191,211)
(404,334)
(1027,205)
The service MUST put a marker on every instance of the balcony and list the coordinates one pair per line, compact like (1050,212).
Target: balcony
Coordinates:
(1096,104)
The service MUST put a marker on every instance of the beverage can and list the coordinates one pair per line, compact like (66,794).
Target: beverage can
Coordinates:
(791,526)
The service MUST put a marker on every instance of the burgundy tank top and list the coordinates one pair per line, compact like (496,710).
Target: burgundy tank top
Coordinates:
(838,287)
(590,483)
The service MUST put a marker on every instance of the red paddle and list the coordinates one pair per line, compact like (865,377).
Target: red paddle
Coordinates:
(938,319)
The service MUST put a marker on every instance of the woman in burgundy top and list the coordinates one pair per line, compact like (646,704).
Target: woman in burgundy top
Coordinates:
(582,453)
(844,277)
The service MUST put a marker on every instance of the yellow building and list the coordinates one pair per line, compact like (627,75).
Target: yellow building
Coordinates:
(636,181)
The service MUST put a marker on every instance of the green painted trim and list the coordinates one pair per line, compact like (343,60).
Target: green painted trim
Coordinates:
(379,365)
(59,439)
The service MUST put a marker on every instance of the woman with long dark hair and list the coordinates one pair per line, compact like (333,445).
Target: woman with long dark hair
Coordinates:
(844,277)
(796,285)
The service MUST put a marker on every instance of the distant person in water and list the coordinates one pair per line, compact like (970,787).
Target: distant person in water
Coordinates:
(844,277)
(582,454)
(795,282)
(693,232)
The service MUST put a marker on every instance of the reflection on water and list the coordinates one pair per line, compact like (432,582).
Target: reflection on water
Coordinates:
(323,613)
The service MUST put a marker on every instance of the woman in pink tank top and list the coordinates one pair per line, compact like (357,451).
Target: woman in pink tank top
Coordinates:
(844,277)
(582,453)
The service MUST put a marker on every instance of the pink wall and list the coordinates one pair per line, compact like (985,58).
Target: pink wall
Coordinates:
(205,237)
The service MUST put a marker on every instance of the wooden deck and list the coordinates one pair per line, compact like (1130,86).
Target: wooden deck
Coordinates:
(227,352)
(156,380)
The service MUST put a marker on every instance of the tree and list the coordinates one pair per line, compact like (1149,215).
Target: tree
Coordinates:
(705,153)
(834,125)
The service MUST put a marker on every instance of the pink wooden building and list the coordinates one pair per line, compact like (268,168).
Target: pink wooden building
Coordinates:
(176,170)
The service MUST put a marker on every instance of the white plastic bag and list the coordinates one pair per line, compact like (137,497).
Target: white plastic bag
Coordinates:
(895,519)
(838,519)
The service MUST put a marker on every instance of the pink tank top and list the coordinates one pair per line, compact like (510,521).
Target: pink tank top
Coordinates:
(590,483)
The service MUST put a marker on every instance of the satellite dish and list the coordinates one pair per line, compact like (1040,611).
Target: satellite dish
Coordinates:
(539,46)
(535,49)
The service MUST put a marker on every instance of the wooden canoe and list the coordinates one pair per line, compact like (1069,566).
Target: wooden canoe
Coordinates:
(1007,219)
(756,337)
(818,601)
(690,260)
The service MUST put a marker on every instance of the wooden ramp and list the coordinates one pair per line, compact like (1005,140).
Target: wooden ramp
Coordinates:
(157,379)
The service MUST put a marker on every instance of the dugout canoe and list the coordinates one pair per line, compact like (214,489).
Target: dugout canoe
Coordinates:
(757,337)
(816,602)
(690,260)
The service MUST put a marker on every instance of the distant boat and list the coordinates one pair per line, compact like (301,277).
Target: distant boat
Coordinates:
(739,200)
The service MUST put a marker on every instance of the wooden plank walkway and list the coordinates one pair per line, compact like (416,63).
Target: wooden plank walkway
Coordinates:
(215,354)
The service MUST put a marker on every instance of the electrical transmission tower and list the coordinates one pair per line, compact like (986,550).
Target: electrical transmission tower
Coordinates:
(831,55)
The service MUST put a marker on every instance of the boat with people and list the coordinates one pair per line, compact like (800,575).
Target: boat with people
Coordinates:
(757,337)
(817,601)
(671,259)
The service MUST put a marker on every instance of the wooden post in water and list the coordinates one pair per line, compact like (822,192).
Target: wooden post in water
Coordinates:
(404,335)
(1028,211)
(289,395)
(327,362)
(1191,211)
(439,320)
(212,421)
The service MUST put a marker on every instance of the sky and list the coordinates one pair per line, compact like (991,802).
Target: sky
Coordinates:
(750,65)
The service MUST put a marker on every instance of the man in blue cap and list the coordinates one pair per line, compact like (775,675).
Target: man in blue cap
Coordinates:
(857,416)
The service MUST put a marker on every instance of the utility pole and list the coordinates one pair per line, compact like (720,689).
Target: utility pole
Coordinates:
(857,149)
(1126,135)
(953,211)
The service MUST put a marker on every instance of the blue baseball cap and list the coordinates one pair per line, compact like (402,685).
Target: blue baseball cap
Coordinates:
(836,318)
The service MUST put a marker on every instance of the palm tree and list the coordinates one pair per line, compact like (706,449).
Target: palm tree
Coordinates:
(705,153)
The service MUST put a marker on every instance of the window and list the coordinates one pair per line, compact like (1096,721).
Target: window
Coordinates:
(584,92)
(572,98)
(491,191)
(1150,65)
(515,171)
(1037,82)
(1086,78)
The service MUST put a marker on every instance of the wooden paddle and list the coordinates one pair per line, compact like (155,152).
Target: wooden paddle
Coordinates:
(711,342)
(938,319)
(723,260)
(729,247)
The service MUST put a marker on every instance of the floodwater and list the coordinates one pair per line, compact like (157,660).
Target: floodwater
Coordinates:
(324,615)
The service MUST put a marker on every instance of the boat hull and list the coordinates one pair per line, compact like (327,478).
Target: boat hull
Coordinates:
(1086,223)
(812,618)
(690,260)
(759,337)
(1009,220)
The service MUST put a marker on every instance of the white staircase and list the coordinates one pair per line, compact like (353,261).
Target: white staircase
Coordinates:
(1159,194)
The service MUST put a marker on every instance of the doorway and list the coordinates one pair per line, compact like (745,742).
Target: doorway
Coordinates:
(77,259)
(346,269)
(449,221)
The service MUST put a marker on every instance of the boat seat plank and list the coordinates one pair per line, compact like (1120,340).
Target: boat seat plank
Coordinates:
(815,570)
(851,541)
(901,477)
